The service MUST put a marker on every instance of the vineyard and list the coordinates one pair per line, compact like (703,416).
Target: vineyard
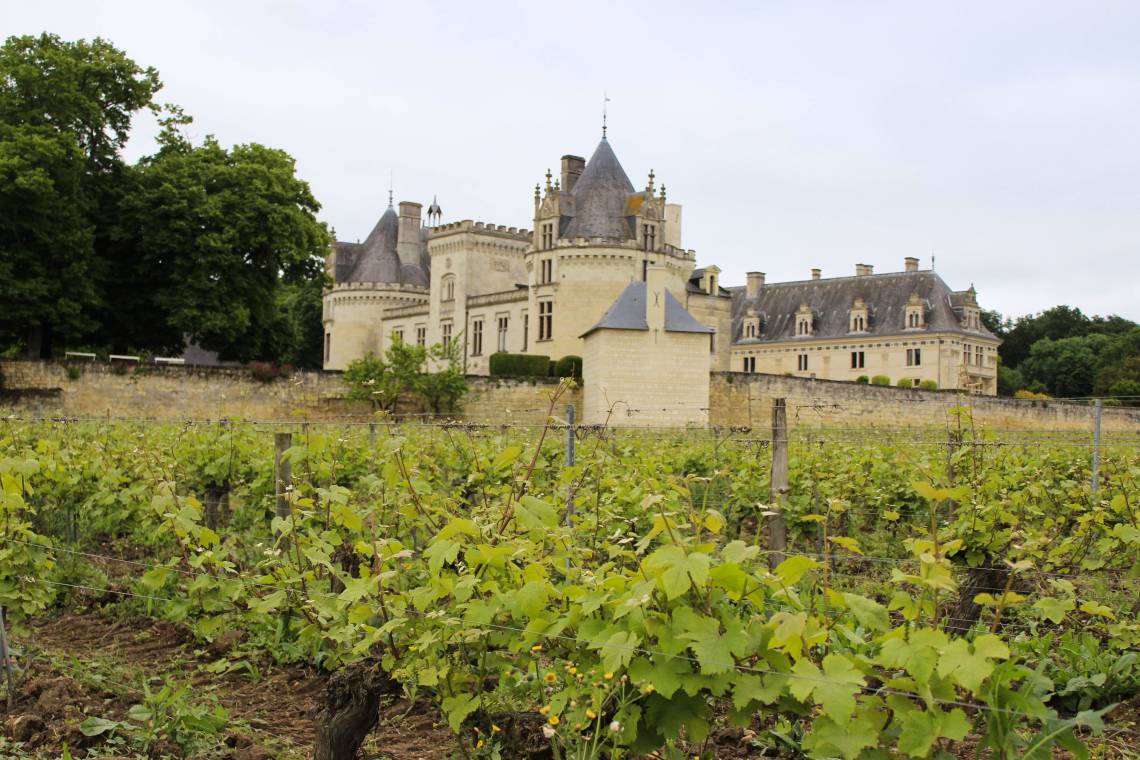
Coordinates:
(220,589)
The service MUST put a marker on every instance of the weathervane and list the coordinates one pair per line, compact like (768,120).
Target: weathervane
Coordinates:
(389,188)
(605,100)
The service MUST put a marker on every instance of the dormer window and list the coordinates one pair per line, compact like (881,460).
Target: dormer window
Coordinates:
(859,316)
(750,329)
(547,236)
(649,236)
(805,322)
(915,313)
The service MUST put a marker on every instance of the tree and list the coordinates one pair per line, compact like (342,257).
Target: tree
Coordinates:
(402,371)
(218,232)
(65,113)
(1068,367)
(444,388)
(301,307)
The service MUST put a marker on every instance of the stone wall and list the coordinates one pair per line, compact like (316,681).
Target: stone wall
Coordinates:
(100,390)
(739,399)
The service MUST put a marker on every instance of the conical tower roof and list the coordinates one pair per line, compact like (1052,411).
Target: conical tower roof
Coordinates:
(600,197)
(378,261)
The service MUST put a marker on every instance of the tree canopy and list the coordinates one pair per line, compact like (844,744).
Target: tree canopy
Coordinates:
(219,246)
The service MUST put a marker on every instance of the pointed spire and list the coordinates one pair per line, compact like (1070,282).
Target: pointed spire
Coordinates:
(548,176)
(649,184)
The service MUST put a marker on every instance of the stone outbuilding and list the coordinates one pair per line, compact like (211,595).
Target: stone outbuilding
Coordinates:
(646,362)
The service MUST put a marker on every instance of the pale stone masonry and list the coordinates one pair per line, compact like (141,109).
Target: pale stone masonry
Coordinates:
(538,291)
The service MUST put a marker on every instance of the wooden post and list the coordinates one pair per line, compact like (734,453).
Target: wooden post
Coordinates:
(5,656)
(372,435)
(282,471)
(1097,406)
(778,532)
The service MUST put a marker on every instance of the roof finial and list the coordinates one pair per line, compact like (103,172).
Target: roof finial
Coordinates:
(649,185)
(389,188)
(605,100)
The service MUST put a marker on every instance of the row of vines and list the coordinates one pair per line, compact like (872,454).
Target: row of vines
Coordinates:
(930,598)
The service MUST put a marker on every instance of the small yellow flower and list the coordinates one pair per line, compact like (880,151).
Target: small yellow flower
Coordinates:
(412,648)
(553,720)
(591,714)
(572,671)
(550,678)
(479,744)
(544,710)
(495,729)
(609,676)
(649,689)
(536,648)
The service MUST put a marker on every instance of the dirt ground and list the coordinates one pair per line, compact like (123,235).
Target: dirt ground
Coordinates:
(86,665)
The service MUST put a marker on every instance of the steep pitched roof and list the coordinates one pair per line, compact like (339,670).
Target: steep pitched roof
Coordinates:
(628,313)
(375,260)
(599,198)
(885,296)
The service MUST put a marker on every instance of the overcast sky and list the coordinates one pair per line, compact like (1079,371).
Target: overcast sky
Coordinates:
(1003,138)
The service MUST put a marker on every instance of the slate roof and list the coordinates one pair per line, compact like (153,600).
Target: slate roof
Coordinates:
(628,313)
(884,295)
(598,199)
(375,260)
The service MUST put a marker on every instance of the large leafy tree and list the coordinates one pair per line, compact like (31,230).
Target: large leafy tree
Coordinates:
(65,114)
(216,233)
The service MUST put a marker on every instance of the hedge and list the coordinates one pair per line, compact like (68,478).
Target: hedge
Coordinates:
(928,385)
(863,379)
(906,382)
(519,365)
(880,380)
(569,366)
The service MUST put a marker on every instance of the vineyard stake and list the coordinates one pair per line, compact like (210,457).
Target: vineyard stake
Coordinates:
(7,661)
(1096,450)
(282,471)
(570,463)
(778,537)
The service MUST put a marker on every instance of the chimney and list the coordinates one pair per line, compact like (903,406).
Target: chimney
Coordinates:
(572,167)
(755,281)
(408,235)
(655,296)
(910,264)
(815,273)
(862,270)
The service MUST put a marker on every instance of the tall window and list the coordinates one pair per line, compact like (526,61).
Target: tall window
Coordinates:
(503,323)
(526,330)
(803,326)
(545,320)
(448,288)
(965,354)
(398,335)
(802,362)
(858,323)
(649,236)
(978,356)
(547,271)
(421,335)
(445,331)
(547,236)
(914,357)
(750,364)
(856,360)
(477,337)
(328,346)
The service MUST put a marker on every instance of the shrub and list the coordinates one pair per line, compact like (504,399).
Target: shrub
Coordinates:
(267,372)
(880,380)
(1030,394)
(928,385)
(519,365)
(863,379)
(569,366)
(73,371)
(906,382)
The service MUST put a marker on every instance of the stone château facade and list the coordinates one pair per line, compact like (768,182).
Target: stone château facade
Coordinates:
(541,290)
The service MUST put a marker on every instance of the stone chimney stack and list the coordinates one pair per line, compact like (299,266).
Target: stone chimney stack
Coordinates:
(408,237)
(862,270)
(655,296)
(815,273)
(754,283)
(572,167)
(910,264)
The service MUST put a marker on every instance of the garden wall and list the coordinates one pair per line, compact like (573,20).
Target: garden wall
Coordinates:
(182,392)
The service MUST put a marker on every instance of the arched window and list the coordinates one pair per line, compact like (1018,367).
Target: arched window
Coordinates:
(447,288)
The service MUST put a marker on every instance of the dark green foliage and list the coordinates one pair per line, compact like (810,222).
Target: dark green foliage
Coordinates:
(905,382)
(880,380)
(863,379)
(928,385)
(403,372)
(569,366)
(519,365)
